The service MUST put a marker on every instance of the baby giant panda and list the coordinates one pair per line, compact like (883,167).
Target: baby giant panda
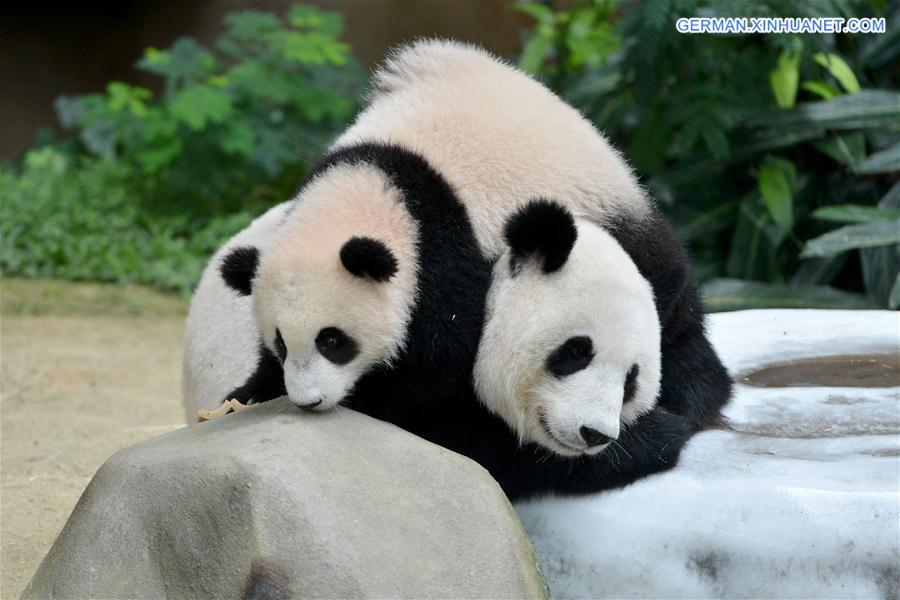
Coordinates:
(501,140)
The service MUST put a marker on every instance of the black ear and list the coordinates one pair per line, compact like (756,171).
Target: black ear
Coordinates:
(365,257)
(541,228)
(239,268)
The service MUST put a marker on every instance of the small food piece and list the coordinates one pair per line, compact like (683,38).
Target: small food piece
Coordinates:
(228,407)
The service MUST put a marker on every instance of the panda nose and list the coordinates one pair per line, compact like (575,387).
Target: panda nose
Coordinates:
(311,405)
(594,437)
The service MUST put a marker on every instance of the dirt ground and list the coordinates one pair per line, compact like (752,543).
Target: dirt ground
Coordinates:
(85,370)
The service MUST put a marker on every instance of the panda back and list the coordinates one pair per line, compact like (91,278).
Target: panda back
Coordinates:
(498,136)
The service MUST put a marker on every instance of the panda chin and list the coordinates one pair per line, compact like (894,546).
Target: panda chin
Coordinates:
(561,447)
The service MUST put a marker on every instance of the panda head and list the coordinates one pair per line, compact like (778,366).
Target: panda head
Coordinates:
(334,291)
(571,346)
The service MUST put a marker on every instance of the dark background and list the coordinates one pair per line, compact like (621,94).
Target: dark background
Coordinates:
(52,48)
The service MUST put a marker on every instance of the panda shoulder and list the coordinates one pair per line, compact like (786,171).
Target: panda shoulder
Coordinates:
(428,59)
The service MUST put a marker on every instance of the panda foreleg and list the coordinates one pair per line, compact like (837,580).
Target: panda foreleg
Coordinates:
(694,383)
(265,383)
(651,445)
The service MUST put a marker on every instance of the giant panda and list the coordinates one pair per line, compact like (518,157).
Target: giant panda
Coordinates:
(499,140)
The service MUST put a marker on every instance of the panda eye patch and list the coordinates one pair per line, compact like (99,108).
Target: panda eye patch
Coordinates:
(571,356)
(336,346)
(630,383)
(280,346)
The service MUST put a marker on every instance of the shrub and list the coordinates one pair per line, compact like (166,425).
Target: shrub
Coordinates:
(754,144)
(138,192)
(76,219)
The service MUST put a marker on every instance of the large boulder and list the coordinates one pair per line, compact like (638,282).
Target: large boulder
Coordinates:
(799,499)
(273,503)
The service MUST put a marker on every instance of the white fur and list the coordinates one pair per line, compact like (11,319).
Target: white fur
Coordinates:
(302,287)
(598,293)
(221,337)
(499,137)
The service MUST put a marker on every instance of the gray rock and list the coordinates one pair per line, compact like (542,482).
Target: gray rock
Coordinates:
(273,503)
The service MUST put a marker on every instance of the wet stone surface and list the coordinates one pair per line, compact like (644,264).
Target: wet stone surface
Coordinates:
(801,498)
(873,371)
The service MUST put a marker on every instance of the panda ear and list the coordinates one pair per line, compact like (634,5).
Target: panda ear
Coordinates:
(239,268)
(366,257)
(543,229)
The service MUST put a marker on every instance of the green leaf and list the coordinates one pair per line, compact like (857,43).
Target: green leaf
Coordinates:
(867,235)
(539,12)
(126,97)
(894,300)
(736,294)
(840,70)
(753,244)
(199,105)
(880,267)
(847,149)
(774,181)
(238,138)
(309,17)
(892,198)
(534,52)
(855,213)
(821,88)
(784,77)
(868,108)
(886,161)
(819,270)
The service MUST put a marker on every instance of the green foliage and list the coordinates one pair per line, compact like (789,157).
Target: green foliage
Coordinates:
(76,219)
(234,126)
(138,192)
(754,144)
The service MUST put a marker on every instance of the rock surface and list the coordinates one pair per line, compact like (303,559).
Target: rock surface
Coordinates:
(800,500)
(274,503)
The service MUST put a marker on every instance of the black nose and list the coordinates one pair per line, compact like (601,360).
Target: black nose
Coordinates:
(594,437)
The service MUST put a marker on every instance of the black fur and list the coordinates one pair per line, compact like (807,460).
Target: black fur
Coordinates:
(544,229)
(630,384)
(280,346)
(571,356)
(365,257)
(695,384)
(239,268)
(429,392)
(336,346)
(265,383)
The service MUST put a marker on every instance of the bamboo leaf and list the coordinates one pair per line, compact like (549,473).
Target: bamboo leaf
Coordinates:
(886,161)
(775,189)
(868,108)
(783,79)
(821,88)
(820,270)
(894,300)
(855,213)
(848,148)
(754,243)
(866,235)
(737,294)
(840,70)
(880,267)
